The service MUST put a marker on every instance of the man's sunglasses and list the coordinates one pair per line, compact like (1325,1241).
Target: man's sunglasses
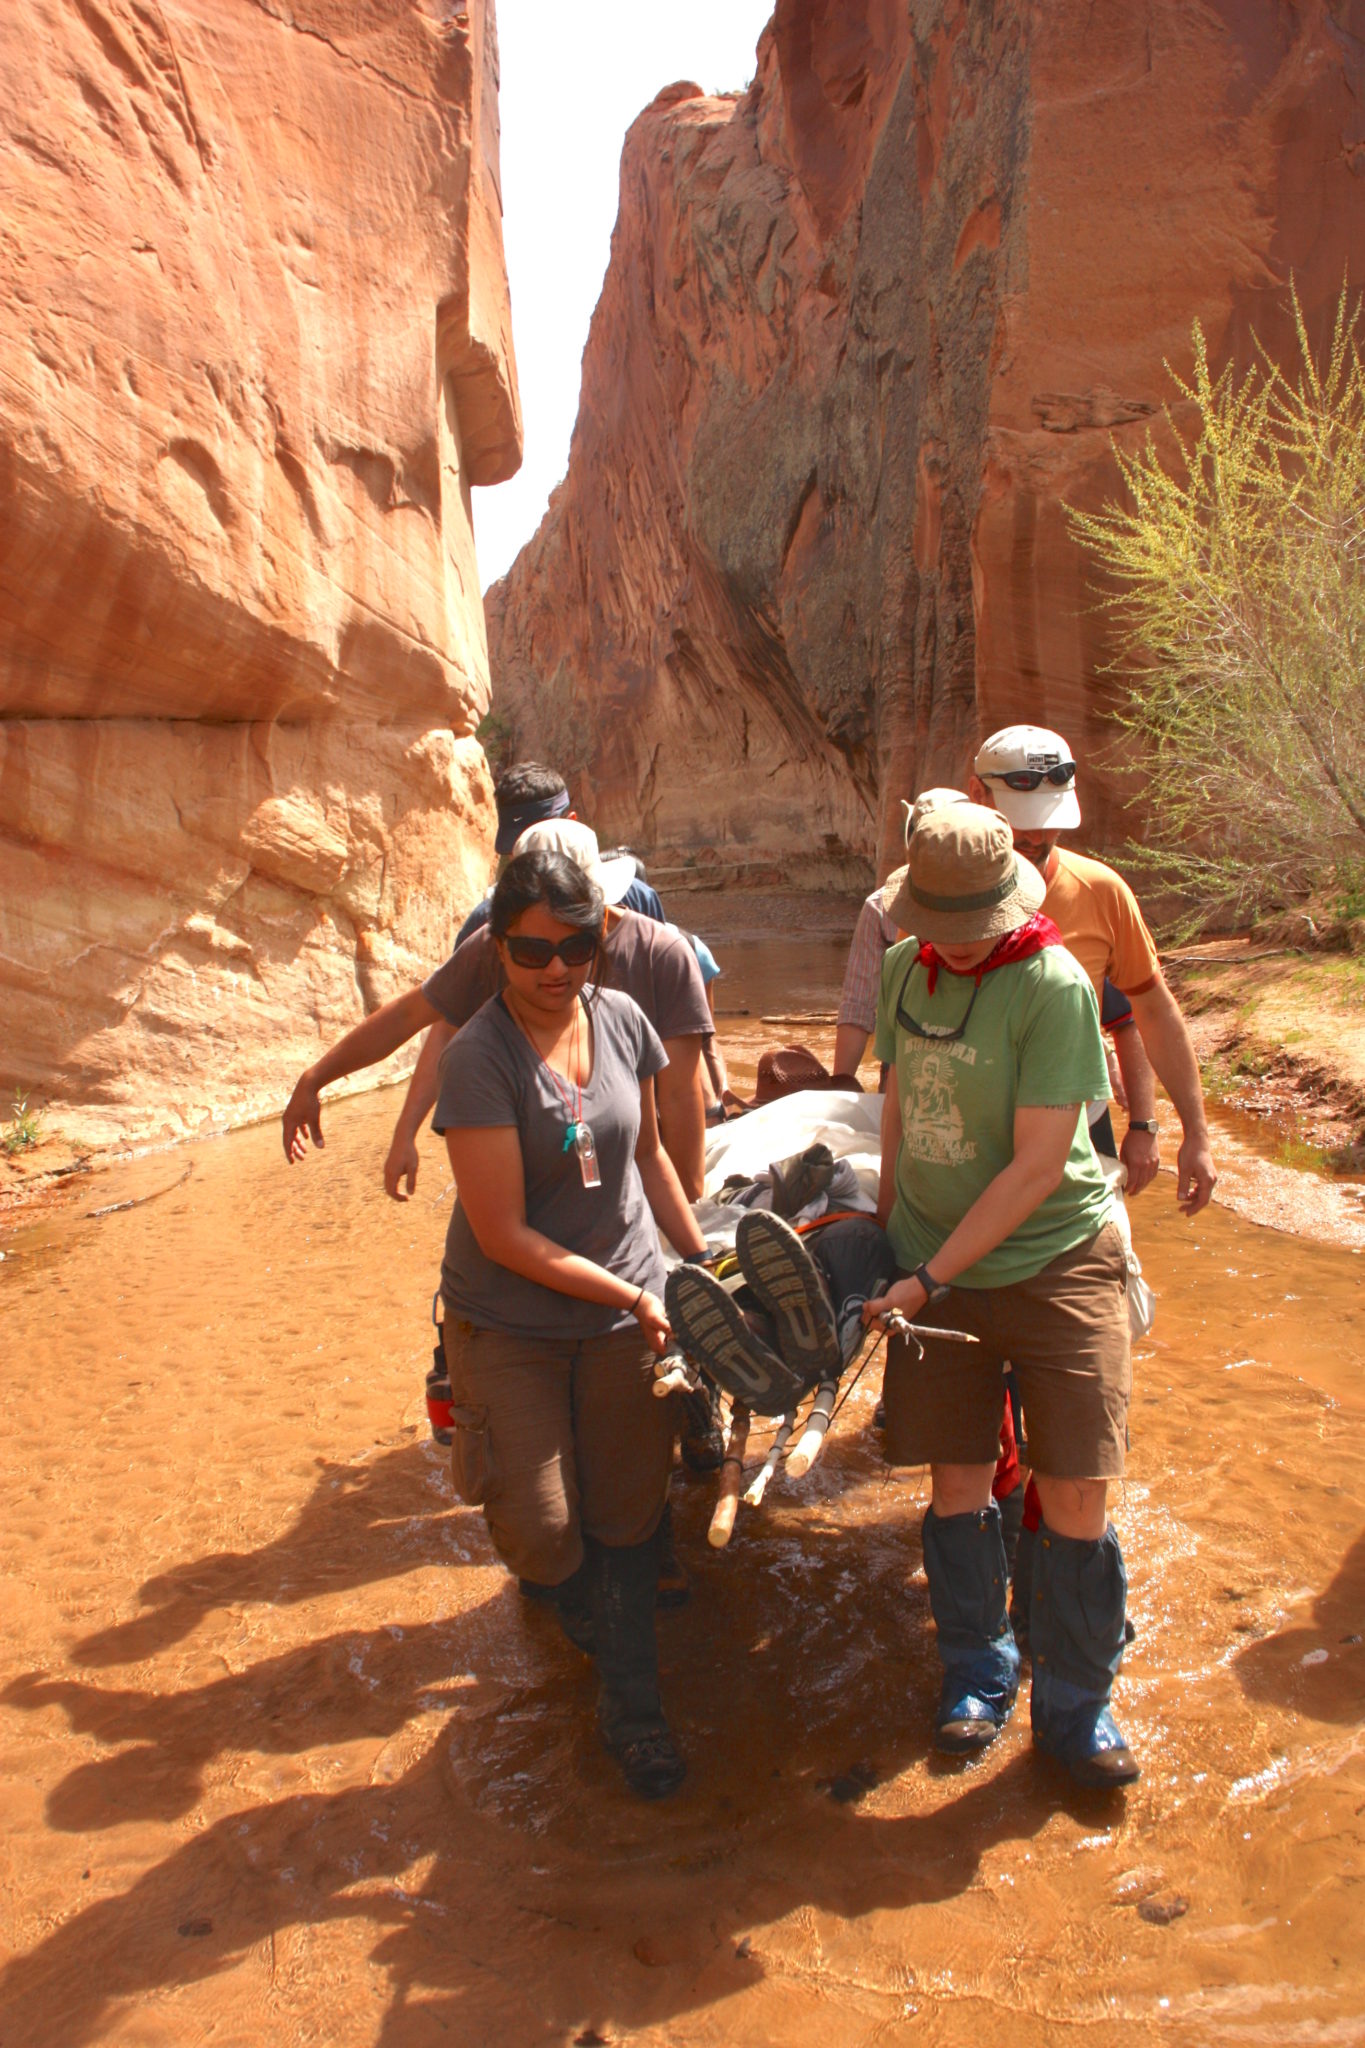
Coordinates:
(575,951)
(1031,778)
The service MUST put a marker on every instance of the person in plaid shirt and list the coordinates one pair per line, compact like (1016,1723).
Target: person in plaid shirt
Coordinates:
(874,932)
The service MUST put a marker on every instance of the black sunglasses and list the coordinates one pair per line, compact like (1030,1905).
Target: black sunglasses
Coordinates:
(1030,778)
(939,1034)
(575,951)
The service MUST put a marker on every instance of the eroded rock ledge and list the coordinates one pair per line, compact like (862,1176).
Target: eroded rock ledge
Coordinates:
(254,349)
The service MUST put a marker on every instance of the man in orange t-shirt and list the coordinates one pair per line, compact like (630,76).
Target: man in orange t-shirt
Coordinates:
(1028,774)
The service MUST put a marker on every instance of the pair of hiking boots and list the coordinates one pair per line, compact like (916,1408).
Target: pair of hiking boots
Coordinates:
(717,1335)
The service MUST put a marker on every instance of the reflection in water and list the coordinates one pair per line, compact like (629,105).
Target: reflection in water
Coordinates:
(287,1758)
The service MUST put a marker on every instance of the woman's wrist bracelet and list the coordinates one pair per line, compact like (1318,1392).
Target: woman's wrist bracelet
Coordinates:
(638,1299)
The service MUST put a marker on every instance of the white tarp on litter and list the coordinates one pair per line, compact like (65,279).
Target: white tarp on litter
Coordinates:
(848,1122)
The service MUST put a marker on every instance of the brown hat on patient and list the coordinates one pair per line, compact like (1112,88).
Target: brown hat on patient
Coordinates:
(964,882)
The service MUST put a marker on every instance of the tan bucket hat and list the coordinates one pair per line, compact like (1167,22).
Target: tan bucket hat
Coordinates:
(964,881)
(927,800)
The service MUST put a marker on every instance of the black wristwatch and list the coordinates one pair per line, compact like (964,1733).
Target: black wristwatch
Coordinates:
(934,1289)
(1144,1123)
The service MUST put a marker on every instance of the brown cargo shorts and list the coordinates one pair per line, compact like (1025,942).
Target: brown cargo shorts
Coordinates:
(557,1440)
(1064,1333)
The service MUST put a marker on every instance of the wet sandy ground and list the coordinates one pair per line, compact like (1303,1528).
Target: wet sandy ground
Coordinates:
(284,1758)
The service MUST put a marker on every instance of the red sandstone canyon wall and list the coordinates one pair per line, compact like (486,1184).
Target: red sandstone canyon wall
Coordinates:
(255,348)
(866,328)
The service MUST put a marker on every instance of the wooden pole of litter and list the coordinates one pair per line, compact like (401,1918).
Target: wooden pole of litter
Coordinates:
(812,1440)
(758,1486)
(678,1379)
(731,1472)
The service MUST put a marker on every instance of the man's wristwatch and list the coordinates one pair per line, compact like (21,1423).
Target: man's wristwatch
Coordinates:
(1144,1123)
(934,1289)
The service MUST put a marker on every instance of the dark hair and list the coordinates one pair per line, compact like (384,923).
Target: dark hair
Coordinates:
(641,871)
(527,782)
(549,878)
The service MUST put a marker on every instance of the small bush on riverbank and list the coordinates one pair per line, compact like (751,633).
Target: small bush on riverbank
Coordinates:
(24,1130)
(1238,580)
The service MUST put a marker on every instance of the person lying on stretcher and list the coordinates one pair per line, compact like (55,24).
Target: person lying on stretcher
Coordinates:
(795,1321)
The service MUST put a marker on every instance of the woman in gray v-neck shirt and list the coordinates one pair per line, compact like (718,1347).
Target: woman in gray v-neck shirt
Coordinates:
(493,1077)
(551,1282)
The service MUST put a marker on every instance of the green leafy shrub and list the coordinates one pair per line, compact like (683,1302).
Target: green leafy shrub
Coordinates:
(1237,579)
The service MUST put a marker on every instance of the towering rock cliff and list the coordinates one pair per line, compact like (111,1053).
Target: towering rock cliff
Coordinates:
(864,331)
(254,349)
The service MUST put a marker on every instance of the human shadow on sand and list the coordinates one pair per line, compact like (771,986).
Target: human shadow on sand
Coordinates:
(357,1686)
(786,1599)
(1316,1666)
(511,1889)
(468,1941)
(363,1522)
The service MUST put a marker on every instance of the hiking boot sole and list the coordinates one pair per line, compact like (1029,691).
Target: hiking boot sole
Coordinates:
(787,1281)
(713,1332)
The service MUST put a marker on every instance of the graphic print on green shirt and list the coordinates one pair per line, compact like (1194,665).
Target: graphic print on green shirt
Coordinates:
(1032,1042)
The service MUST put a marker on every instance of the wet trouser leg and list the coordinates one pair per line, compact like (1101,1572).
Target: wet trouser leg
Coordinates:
(857,1262)
(964,1560)
(1076,1633)
(571,1601)
(674,1587)
(622,1584)
(557,1441)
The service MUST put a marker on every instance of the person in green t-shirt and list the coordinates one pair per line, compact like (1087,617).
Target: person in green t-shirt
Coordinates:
(997,1208)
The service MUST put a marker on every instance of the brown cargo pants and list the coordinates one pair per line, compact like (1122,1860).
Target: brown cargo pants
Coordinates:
(557,1440)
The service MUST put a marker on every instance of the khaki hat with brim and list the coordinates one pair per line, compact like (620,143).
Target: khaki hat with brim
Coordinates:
(964,882)
(579,842)
(928,800)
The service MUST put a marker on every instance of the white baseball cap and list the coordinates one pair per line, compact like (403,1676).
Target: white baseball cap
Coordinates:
(565,835)
(1031,776)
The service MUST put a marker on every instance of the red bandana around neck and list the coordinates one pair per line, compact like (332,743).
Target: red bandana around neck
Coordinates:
(1020,944)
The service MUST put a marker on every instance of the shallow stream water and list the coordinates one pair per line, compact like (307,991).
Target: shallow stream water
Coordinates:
(285,1759)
